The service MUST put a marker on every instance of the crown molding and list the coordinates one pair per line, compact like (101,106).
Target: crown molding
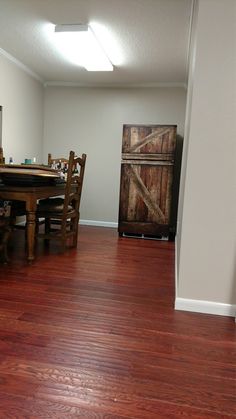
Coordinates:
(21,65)
(115,86)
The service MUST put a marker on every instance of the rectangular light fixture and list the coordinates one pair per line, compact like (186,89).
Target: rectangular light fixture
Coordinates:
(79,45)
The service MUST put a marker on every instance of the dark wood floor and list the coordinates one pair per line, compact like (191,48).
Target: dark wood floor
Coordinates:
(92,334)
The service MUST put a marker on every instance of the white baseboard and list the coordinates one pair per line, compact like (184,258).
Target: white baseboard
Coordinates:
(98,223)
(176,268)
(87,223)
(207,307)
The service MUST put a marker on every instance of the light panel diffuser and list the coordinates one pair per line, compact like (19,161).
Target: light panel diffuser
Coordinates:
(79,45)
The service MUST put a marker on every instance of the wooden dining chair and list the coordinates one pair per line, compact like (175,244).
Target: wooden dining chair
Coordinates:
(58,163)
(2,159)
(5,229)
(62,214)
(17,207)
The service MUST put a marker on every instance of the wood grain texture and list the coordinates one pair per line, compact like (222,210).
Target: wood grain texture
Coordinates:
(145,194)
(146,184)
(149,139)
(92,333)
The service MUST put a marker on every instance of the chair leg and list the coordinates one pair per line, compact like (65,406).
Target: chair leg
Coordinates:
(47,225)
(47,230)
(63,238)
(3,245)
(75,231)
(63,245)
(12,220)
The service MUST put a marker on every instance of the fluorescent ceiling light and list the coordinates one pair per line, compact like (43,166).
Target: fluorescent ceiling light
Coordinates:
(80,46)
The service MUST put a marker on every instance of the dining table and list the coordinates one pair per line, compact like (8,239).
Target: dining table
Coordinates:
(30,194)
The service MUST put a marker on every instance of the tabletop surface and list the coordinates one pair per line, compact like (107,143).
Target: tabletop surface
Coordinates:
(27,170)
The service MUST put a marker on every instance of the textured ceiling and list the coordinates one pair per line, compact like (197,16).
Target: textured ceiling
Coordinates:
(150,36)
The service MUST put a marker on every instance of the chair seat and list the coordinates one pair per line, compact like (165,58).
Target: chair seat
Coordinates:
(52,205)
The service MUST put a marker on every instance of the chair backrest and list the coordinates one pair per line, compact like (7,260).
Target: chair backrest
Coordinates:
(2,159)
(58,163)
(74,183)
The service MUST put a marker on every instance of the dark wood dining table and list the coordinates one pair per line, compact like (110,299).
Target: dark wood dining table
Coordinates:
(30,195)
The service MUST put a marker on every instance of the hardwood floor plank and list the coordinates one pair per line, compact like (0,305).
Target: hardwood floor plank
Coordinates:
(113,383)
(17,406)
(92,333)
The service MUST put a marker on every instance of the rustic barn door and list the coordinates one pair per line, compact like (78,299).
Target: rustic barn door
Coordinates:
(146,179)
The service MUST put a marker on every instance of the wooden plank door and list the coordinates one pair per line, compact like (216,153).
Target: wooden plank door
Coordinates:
(145,198)
(146,179)
(156,142)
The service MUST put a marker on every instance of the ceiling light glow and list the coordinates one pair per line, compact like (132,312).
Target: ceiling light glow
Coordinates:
(79,45)
(109,42)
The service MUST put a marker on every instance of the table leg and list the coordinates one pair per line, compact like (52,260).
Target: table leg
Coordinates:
(31,224)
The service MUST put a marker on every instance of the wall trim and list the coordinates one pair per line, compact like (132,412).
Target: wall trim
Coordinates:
(86,223)
(176,268)
(206,307)
(21,65)
(115,86)
(98,223)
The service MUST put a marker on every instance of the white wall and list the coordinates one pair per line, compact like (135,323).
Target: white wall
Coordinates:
(21,98)
(90,120)
(207,260)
